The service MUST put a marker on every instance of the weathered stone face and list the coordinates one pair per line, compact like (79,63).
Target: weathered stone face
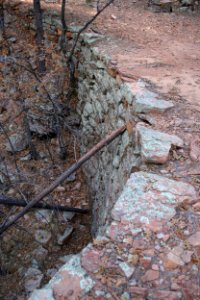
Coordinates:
(148,200)
(173,5)
(155,145)
(71,282)
(147,101)
(101,110)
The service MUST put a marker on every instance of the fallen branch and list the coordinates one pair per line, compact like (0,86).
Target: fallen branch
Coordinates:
(18,202)
(64,176)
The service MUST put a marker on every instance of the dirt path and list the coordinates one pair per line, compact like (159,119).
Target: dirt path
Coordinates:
(161,47)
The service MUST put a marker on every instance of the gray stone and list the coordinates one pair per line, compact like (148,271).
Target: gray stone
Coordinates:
(93,123)
(91,38)
(26,157)
(12,39)
(48,20)
(71,177)
(51,272)
(40,114)
(19,142)
(40,255)
(44,215)
(32,279)
(125,296)
(127,269)
(45,294)
(121,110)
(149,103)
(34,263)
(187,2)
(68,215)
(40,125)
(56,22)
(98,108)
(155,145)
(1,179)
(186,256)
(96,52)
(42,236)
(127,93)
(8,19)
(125,139)
(74,29)
(78,280)
(149,200)
(116,162)
(88,109)
(66,258)
(66,235)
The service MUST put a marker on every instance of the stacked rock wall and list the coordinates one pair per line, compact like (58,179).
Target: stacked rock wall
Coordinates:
(102,107)
(174,5)
(108,100)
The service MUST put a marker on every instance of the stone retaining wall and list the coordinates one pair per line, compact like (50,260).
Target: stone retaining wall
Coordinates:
(182,6)
(106,102)
(102,107)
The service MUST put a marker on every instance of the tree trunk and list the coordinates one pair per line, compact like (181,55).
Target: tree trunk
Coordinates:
(1,20)
(39,36)
(64,28)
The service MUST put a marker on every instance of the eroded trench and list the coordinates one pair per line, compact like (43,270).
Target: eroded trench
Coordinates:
(32,252)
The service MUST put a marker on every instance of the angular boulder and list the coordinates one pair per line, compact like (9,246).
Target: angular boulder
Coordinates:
(155,145)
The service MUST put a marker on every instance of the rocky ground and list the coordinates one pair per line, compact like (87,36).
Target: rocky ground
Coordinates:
(151,249)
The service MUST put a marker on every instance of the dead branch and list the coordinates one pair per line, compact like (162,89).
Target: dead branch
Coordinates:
(2,25)
(99,11)
(98,5)
(39,36)
(70,61)
(107,140)
(22,203)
